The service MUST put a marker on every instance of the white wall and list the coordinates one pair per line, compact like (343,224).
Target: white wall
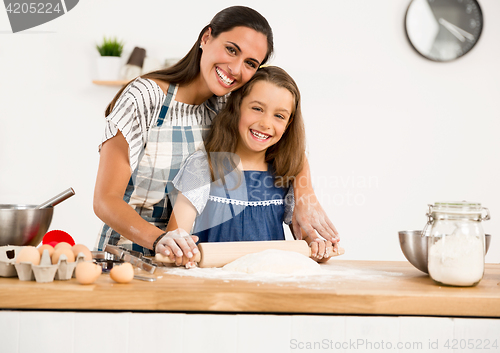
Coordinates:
(388,131)
(166,332)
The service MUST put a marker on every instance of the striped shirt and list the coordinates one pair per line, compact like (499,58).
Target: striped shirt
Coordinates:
(161,134)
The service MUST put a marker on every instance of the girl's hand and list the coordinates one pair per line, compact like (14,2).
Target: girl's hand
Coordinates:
(310,216)
(179,246)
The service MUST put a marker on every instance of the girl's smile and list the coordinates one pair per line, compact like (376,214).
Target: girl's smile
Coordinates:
(264,117)
(259,136)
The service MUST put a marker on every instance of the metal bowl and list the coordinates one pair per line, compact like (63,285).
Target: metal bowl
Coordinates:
(23,224)
(414,247)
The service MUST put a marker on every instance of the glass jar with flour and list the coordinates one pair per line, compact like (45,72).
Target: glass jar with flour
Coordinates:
(456,246)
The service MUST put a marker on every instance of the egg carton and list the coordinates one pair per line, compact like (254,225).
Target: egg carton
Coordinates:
(8,256)
(45,271)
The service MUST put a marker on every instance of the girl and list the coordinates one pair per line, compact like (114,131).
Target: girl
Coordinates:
(159,119)
(262,128)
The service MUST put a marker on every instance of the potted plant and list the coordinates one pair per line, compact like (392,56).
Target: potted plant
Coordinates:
(109,62)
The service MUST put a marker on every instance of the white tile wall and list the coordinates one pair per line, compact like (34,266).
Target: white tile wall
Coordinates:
(210,333)
(84,332)
(99,332)
(371,333)
(38,330)
(157,332)
(317,333)
(476,335)
(263,333)
(421,334)
(9,330)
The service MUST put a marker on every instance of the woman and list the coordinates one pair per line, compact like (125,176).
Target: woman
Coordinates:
(159,119)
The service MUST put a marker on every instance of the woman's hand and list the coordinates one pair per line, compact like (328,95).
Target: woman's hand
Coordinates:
(322,250)
(179,246)
(308,213)
(310,216)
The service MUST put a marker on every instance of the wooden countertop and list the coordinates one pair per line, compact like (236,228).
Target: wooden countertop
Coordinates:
(351,287)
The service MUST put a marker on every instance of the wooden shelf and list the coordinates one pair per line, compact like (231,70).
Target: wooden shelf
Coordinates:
(111,83)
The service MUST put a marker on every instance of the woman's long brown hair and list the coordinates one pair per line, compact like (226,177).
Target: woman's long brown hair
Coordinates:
(188,68)
(286,156)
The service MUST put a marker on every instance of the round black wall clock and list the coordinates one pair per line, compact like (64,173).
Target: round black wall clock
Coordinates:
(443,30)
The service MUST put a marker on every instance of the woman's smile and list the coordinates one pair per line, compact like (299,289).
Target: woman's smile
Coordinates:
(224,77)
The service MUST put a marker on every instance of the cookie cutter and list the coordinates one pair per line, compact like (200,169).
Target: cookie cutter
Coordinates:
(134,257)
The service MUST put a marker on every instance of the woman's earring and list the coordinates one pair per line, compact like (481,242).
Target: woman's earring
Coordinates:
(201,46)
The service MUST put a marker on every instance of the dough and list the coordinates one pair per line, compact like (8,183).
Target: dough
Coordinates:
(275,262)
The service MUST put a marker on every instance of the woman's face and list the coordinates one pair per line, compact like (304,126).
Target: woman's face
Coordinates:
(229,60)
(264,116)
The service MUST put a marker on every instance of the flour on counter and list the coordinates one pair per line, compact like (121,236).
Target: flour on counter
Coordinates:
(327,273)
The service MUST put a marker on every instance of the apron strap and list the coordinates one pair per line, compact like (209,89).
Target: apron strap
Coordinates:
(166,104)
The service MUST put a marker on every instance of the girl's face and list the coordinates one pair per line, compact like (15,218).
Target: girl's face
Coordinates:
(229,60)
(265,113)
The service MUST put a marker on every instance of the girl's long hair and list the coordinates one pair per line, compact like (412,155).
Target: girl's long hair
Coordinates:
(287,156)
(188,68)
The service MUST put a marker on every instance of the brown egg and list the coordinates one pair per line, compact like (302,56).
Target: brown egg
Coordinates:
(64,250)
(123,273)
(87,272)
(98,270)
(29,254)
(62,245)
(80,248)
(50,248)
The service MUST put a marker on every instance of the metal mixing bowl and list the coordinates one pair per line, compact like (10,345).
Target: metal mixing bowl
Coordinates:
(414,247)
(23,224)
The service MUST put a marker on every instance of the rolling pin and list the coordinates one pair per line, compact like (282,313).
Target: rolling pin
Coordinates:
(218,254)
